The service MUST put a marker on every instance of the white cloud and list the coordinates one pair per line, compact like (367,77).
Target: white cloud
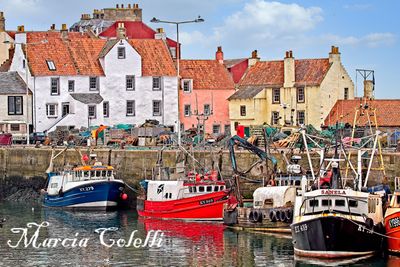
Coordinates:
(262,20)
(195,37)
(370,40)
(358,6)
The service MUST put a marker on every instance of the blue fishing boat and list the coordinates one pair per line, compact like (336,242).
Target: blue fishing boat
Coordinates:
(84,187)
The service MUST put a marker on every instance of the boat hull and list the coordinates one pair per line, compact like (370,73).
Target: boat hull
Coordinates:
(334,237)
(392,227)
(101,195)
(204,207)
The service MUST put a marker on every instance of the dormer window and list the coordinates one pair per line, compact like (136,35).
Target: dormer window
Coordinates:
(51,65)
(121,52)
(187,85)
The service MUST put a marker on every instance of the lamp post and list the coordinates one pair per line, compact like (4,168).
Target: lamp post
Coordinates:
(27,81)
(177,23)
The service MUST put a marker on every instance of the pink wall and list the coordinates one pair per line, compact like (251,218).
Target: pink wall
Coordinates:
(220,107)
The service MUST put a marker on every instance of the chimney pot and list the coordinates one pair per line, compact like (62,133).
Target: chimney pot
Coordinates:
(21,28)
(63,27)
(219,55)
(160,30)
(254,54)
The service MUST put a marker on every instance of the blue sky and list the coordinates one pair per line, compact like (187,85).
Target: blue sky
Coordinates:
(367,32)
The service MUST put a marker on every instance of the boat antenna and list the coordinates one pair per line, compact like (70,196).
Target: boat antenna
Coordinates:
(336,179)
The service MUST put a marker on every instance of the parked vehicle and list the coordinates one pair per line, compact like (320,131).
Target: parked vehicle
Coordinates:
(37,137)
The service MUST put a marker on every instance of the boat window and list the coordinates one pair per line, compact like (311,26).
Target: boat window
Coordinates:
(216,188)
(353,203)
(201,188)
(170,195)
(326,202)
(340,203)
(166,195)
(109,173)
(209,188)
(98,174)
(398,200)
(92,174)
(190,189)
(194,189)
(86,174)
(297,182)
(103,173)
(313,203)
(221,188)
(54,185)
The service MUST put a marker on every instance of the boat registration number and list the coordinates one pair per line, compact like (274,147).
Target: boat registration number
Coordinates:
(206,201)
(86,188)
(395,222)
(300,228)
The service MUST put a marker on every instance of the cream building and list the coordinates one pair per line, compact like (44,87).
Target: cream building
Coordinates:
(290,91)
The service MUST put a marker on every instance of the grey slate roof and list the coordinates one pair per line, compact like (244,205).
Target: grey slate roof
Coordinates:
(107,47)
(12,83)
(87,98)
(246,92)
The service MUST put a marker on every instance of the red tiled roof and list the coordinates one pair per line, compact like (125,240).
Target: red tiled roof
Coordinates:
(134,30)
(387,111)
(206,74)
(78,55)
(271,73)
(11,34)
(156,59)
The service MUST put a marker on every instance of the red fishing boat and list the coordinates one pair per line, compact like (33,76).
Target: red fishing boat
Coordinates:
(199,198)
(392,220)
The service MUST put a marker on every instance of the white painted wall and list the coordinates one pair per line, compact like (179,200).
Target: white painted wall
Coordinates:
(112,89)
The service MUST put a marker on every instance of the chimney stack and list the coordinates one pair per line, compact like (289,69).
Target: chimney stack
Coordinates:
(219,55)
(289,70)
(2,22)
(254,58)
(334,55)
(160,34)
(53,27)
(368,89)
(121,31)
(64,31)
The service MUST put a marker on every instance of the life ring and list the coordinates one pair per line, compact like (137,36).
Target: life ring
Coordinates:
(272,216)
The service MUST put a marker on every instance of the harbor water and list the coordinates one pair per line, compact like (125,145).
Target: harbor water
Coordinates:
(181,243)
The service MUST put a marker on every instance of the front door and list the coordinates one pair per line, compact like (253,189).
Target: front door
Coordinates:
(65,109)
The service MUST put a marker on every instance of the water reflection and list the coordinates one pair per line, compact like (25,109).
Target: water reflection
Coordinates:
(184,243)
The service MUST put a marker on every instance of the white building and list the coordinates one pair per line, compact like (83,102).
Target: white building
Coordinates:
(82,81)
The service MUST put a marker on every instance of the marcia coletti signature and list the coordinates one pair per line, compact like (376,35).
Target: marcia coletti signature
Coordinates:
(154,238)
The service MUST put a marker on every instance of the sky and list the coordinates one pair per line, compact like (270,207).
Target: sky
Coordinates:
(367,32)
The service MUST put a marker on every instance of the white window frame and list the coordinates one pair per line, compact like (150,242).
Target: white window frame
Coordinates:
(187,113)
(121,52)
(127,77)
(298,117)
(275,119)
(106,109)
(95,111)
(299,95)
(58,86)
(205,111)
(159,83)
(48,111)
(218,127)
(71,85)
(243,108)
(276,95)
(159,113)
(189,87)
(133,111)
(97,83)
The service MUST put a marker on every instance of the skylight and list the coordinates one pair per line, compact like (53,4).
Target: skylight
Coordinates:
(51,65)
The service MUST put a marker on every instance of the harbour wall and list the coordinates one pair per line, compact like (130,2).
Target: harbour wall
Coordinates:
(21,165)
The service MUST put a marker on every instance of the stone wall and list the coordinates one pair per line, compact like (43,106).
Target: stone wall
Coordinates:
(133,166)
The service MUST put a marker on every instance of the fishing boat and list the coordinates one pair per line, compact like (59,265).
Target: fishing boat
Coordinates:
(87,187)
(338,221)
(190,199)
(392,220)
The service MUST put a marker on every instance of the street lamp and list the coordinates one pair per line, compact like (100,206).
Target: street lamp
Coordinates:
(197,20)
(27,81)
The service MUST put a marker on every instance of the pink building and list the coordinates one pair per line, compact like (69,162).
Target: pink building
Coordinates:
(205,88)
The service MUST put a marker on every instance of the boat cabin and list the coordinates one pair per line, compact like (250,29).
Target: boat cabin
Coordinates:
(274,196)
(173,190)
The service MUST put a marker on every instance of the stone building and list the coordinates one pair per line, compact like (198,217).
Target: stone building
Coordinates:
(15,105)
(6,43)
(79,80)
(289,91)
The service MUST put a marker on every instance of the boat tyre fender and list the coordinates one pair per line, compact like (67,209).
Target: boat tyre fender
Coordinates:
(288,215)
(258,216)
(282,216)
(278,214)
(251,216)
(369,223)
(272,215)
